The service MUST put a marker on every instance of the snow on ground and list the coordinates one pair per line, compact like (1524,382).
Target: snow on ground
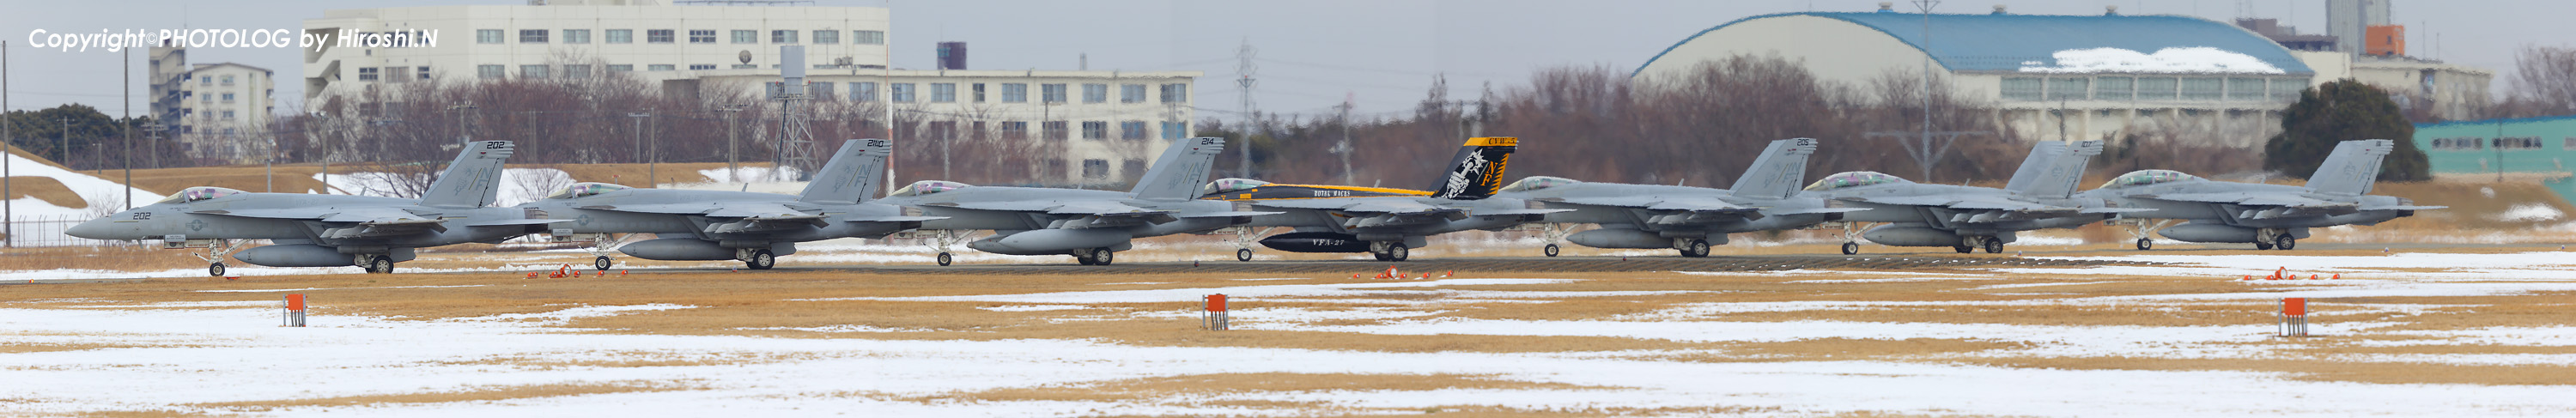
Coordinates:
(2454,266)
(2199,59)
(2530,212)
(100,193)
(227,355)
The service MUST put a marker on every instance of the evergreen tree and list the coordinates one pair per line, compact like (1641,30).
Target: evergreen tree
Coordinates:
(2338,111)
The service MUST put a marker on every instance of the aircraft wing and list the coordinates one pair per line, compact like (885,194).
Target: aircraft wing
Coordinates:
(385,228)
(511,222)
(1226,214)
(892,218)
(1962,203)
(2249,199)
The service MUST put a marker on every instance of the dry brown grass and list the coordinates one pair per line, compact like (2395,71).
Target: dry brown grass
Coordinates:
(46,189)
(13,348)
(113,258)
(468,395)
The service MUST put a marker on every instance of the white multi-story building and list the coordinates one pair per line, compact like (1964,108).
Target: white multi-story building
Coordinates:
(1104,117)
(217,111)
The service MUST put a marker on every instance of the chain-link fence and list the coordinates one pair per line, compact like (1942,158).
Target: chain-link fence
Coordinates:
(47,231)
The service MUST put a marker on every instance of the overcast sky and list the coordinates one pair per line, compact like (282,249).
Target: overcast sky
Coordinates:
(1312,53)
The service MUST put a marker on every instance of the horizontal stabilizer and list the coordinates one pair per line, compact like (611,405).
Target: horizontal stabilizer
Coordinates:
(1227,214)
(892,218)
(2114,210)
(1511,212)
(513,222)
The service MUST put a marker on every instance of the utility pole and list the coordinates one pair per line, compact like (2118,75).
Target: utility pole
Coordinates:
(1244,68)
(1344,148)
(639,146)
(63,155)
(127,129)
(1926,6)
(463,136)
(733,171)
(8,211)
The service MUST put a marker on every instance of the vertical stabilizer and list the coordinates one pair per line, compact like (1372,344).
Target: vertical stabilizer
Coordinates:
(2054,169)
(850,176)
(1477,171)
(1182,169)
(2353,168)
(473,180)
(1776,174)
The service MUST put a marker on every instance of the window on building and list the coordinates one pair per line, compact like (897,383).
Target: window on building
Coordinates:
(367,74)
(1095,93)
(487,36)
(2070,88)
(1132,169)
(532,36)
(773,89)
(424,72)
(489,71)
(746,36)
(1095,169)
(702,36)
(1095,130)
(868,37)
(1052,93)
(2021,88)
(2287,89)
(661,67)
(2114,88)
(228,97)
(577,71)
(901,92)
(620,68)
(1176,93)
(228,80)
(2570,145)
(943,92)
(533,71)
(1015,130)
(979,92)
(1131,93)
(2202,88)
(782,36)
(576,36)
(821,91)
(621,36)
(659,36)
(397,74)
(228,115)
(206,81)
(2156,88)
(1015,93)
(865,92)
(827,36)
(206,98)
(1054,130)
(1134,129)
(1175,130)
(701,67)
(2247,89)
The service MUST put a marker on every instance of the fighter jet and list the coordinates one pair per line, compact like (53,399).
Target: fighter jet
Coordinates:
(316,230)
(1966,217)
(1688,219)
(754,228)
(1090,225)
(2268,215)
(1387,223)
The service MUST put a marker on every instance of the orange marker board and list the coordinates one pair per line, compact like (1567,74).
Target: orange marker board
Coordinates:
(295,302)
(1216,302)
(2294,306)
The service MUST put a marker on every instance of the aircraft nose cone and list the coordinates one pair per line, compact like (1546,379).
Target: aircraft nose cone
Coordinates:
(94,229)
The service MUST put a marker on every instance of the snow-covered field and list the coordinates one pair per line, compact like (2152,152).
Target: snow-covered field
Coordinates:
(228,357)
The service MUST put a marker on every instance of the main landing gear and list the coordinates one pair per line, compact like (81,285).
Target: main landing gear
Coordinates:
(1389,251)
(1243,254)
(376,263)
(1694,248)
(1096,257)
(760,260)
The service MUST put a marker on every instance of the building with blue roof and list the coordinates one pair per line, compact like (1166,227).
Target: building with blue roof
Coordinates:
(2050,76)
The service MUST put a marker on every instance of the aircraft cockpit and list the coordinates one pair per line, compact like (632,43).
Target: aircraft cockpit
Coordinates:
(2147,177)
(199,194)
(1533,183)
(1230,185)
(581,190)
(928,187)
(1852,179)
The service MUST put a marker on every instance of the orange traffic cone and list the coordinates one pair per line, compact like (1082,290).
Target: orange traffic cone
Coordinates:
(2337,276)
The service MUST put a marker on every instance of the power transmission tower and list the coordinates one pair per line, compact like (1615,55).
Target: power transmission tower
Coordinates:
(795,139)
(1244,68)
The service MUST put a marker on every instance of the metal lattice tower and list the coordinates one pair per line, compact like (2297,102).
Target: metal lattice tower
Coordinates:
(1244,69)
(795,139)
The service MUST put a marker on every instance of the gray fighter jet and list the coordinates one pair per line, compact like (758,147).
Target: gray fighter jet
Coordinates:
(2267,215)
(1684,218)
(1090,225)
(754,228)
(1387,223)
(316,230)
(1964,218)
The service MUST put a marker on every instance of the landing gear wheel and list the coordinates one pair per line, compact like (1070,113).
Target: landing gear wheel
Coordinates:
(2285,242)
(216,269)
(1994,245)
(1243,255)
(1851,248)
(943,259)
(603,262)
(1379,256)
(1397,252)
(2259,245)
(1083,259)
(761,260)
(1102,256)
(1695,249)
(1962,249)
(380,264)
(2146,244)
(1550,250)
